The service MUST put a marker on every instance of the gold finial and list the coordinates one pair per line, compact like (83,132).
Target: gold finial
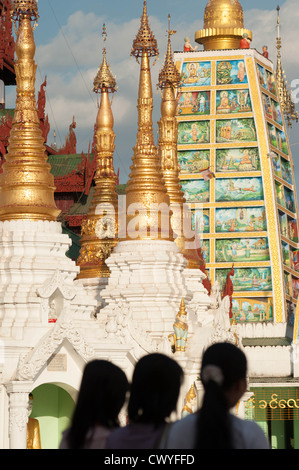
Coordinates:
(285,95)
(104,78)
(26,184)
(100,230)
(191,394)
(146,191)
(223,25)
(169,73)
(182,311)
(145,41)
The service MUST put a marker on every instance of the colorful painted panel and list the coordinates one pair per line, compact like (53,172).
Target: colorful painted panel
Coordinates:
(283,223)
(287,283)
(286,171)
(233,101)
(243,159)
(239,189)
(276,112)
(236,130)
(196,74)
(193,103)
(231,72)
(252,310)
(294,258)
(276,164)
(270,82)
(242,250)
(262,76)
(285,249)
(196,190)
(193,161)
(282,142)
(250,219)
(205,249)
(272,135)
(279,194)
(289,200)
(201,220)
(247,279)
(267,106)
(293,230)
(194,132)
(295,287)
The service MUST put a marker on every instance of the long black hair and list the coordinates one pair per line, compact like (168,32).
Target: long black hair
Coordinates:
(223,364)
(101,396)
(155,389)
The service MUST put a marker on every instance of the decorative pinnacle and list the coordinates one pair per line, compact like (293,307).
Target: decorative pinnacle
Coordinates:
(182,310)
(21,8)
(104,79)
(145,41)
(285,95)
(169,75)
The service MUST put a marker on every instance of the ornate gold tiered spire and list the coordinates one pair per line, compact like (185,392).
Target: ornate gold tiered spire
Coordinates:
(26,184)
(169,80)
(285,95)
(146,190)
(99,230)
(223,25)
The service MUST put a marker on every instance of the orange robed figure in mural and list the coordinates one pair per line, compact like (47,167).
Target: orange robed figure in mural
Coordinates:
(229,289)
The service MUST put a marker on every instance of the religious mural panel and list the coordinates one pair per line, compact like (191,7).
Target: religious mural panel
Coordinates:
(239,189)
(236,130)
(276,112)
(193,103)
(282,142)
(242,159)
(231,72)
(196,190)
(233,101)
(262,76)
(196,74)
(253,310)
(205,249)
(283,222)
(243,219)
(289,200)
(201,220)
(272,135)
(248,279)
(242,250)
(280,194)
(285,249)
(193,161)
(271,82)
(286,171)
(293,229)
(276,164)
(194,132)
(295,287)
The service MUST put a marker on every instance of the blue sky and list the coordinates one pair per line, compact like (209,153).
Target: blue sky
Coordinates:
(69,52)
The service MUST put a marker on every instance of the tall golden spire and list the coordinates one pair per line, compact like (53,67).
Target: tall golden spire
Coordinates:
(287,105)
(169,80)
(223,25)
(99,230)
(145,189)
(26,184)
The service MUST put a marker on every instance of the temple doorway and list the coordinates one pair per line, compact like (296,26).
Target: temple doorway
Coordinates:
(53,407)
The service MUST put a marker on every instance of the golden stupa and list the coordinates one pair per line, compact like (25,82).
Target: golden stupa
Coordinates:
(223,26)
(146,191)
(26,184)
(100,229)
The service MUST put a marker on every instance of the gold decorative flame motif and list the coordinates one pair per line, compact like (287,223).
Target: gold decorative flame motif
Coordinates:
(26,184)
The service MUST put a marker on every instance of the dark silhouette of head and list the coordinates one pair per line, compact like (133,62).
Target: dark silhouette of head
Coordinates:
(155,389)
(101,397)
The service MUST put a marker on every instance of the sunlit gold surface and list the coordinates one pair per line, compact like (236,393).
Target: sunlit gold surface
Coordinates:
(26,184)
(223,25)
(99,230)
(146,187)
(169,79)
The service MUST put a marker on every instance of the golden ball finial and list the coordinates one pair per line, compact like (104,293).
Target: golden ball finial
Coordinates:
(223,25)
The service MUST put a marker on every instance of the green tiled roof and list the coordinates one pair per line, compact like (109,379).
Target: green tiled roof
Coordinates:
(63,165)
(82,206)
(74,249)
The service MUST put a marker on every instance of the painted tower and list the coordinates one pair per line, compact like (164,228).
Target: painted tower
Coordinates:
(236,166)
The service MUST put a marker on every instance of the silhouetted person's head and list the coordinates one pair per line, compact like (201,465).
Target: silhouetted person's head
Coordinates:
(101,397)
(155,389)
